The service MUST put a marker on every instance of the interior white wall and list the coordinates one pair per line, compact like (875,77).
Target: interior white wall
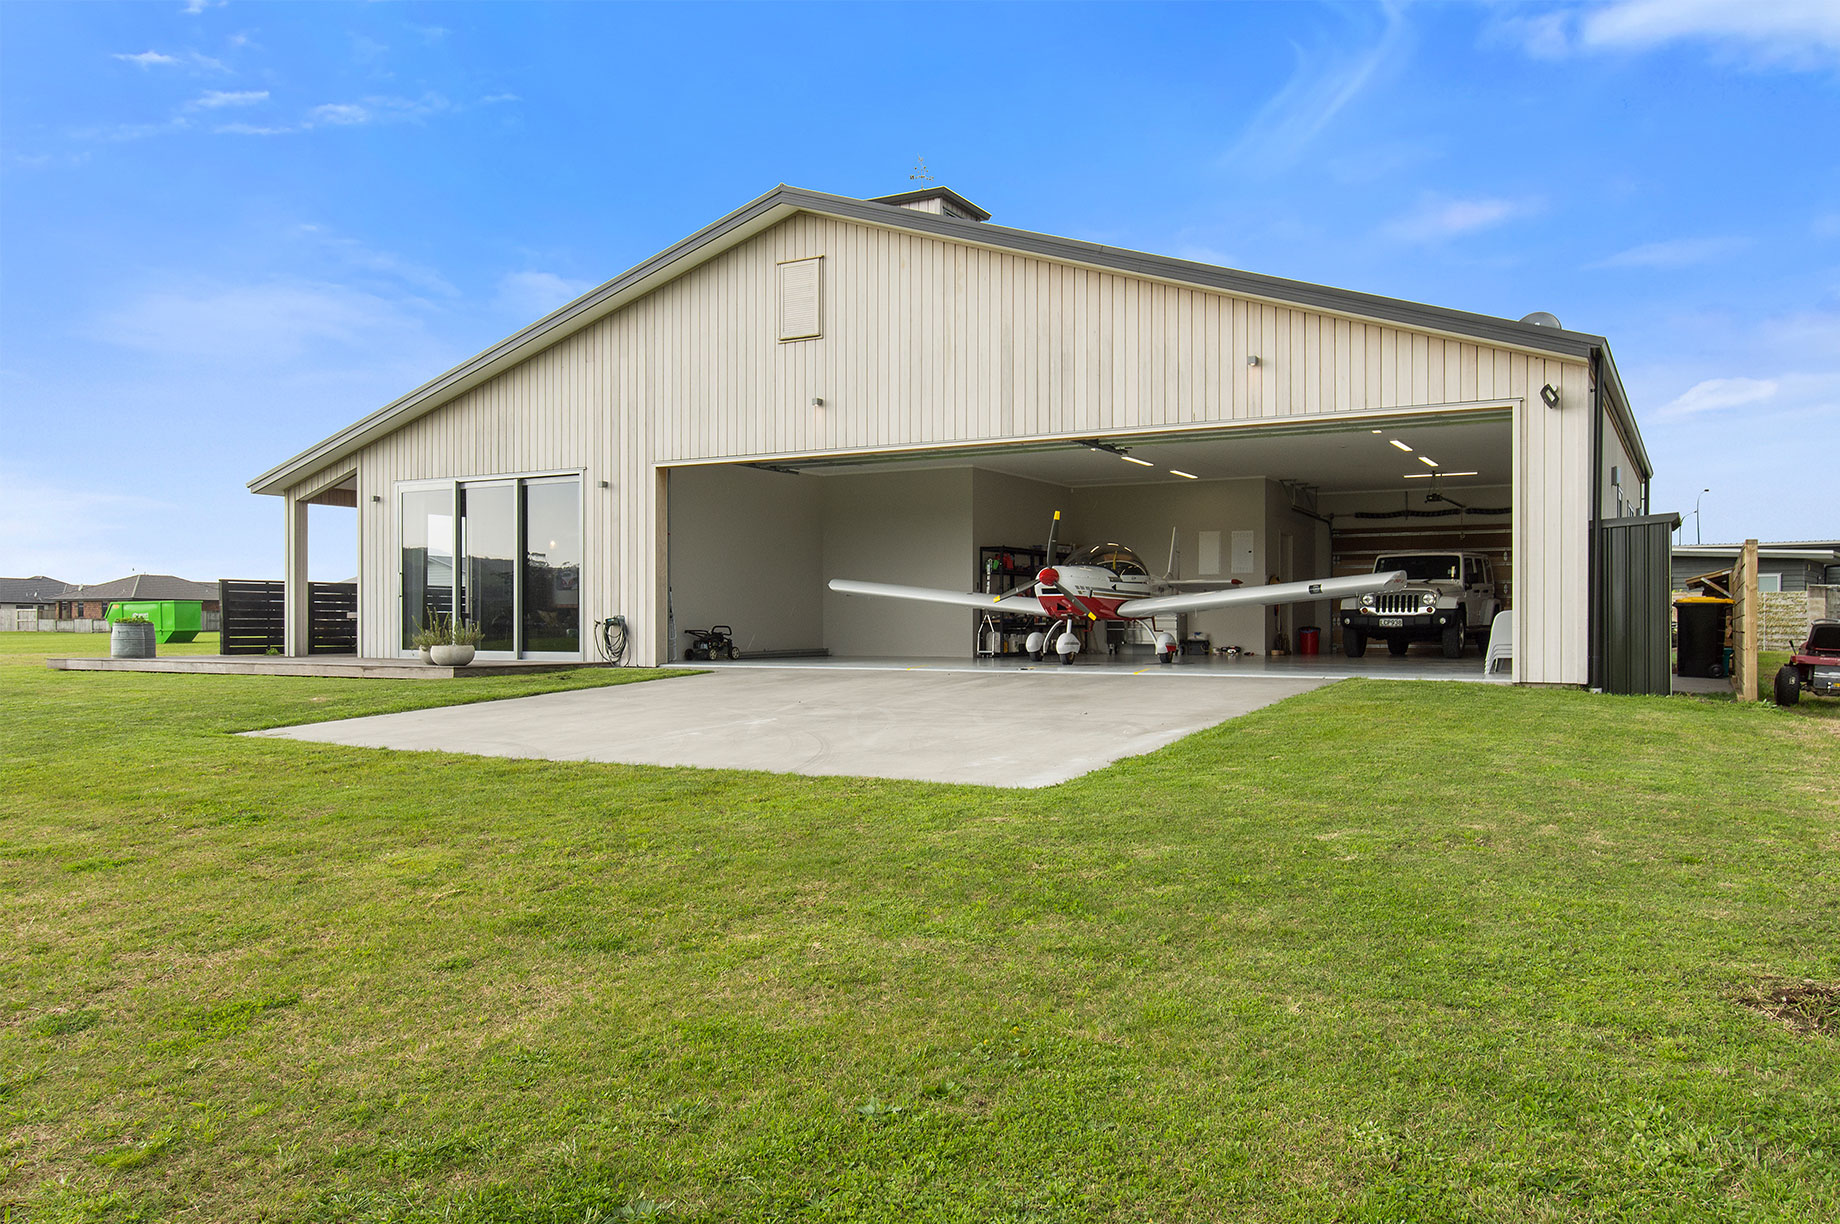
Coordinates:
(912,528)
(1141,517)
(1309,559)
(746,549)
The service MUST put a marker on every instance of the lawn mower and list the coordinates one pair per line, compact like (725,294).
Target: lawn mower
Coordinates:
(1815,667)
(716,642)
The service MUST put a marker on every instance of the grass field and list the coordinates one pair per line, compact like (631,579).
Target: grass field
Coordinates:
(1382,952)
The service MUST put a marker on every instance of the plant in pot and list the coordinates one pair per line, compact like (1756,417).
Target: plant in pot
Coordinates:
(131,637)
(447,641)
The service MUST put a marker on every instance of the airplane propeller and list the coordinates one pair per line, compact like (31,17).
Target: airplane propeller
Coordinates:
(1049,578)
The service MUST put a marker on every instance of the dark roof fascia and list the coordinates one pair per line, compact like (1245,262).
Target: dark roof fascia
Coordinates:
(1625,417)
(783,201)
(932,193)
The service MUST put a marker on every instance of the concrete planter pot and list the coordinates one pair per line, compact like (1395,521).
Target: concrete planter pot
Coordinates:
(450,656)
(427,654)
(131,641)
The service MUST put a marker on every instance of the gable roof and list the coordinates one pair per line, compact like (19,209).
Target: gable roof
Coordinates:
(783,201)
(36,589)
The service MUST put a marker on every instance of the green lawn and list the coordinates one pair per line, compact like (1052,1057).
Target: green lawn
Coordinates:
(1382,952)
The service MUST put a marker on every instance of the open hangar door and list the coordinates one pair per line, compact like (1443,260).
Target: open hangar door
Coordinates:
(754,545)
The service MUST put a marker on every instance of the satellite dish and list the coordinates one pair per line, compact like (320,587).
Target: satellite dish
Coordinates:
(1541,318)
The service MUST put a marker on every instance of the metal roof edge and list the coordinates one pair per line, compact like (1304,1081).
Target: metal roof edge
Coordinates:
(1208,276)
(718,235)
(1625,415)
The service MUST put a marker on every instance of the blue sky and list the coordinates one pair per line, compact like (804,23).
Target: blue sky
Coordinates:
(229,229)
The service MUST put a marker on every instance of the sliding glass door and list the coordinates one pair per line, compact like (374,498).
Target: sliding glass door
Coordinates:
(488,577)
(552,566)
(507,553)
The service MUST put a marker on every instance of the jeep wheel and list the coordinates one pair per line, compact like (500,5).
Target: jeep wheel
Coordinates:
(1354,642)
(1453,641)
(1397,646)
(1788,685)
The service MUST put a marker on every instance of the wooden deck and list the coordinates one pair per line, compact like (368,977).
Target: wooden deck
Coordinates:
(315,665)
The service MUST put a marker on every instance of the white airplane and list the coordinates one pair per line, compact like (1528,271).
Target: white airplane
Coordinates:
(1107,582)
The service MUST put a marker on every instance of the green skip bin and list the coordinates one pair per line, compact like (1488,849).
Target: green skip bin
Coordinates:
(174,620)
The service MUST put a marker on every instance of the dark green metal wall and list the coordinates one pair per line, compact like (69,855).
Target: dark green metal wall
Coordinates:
(1633,556)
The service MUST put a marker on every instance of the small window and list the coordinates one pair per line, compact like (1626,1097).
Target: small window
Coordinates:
(1769,582)
(801,299)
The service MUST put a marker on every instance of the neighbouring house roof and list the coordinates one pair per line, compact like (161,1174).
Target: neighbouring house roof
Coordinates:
(144,586)
(784,202)
(36,589)
(1811,550)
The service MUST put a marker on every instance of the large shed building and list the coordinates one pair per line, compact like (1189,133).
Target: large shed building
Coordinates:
(817,386)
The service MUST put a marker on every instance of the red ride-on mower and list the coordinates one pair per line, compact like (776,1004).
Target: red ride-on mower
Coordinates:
(1815,667)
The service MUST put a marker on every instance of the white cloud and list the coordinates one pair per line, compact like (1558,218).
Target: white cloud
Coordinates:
(252,129)
(353,256)
(150,59)
(146,59)
(195,7)
(1802,34)
(531,295)
(380,108)
(1718,394)
(1439,218)
(256,325)
(494,99)
(1791,31)
(1321,85)
(213,99)
(340,113)
(1674,253)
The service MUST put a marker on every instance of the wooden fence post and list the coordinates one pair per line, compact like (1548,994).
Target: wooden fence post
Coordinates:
(1744,635)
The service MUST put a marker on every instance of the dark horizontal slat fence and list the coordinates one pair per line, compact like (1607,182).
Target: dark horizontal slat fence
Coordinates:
(255,616)
(332,622)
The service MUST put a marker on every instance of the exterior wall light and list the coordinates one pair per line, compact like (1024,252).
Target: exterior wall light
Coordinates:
(1550,394)
(1252,360)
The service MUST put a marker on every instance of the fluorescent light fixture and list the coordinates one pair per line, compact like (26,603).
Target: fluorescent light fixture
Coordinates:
(1183,475)
(1137,461)
(1401,445)
(1434,475)
(1376,431)
(1427,462)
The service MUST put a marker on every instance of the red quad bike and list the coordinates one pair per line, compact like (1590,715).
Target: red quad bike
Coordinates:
(1815,667)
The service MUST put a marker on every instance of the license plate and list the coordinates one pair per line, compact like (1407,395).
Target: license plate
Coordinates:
(1392,622)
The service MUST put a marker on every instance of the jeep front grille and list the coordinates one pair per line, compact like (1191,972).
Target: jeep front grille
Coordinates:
(1398,603)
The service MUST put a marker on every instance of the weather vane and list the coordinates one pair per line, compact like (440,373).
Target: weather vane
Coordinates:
(920,170)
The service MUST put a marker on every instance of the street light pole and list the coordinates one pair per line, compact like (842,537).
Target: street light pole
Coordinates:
(1696,527)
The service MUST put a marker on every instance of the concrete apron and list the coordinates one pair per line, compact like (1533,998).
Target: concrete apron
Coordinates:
(1024,729)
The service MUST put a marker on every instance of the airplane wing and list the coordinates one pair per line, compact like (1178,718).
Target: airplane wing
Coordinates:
(1278,593)
(1024,605)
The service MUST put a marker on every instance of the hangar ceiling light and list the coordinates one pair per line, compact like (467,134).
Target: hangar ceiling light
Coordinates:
(1427,462)
(1184,475)
(1434,475)
(1401,445)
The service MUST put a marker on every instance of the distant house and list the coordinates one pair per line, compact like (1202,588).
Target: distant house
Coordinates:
(1788,565)
(24,600)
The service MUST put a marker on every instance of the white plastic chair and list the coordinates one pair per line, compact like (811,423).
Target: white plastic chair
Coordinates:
(1501,641)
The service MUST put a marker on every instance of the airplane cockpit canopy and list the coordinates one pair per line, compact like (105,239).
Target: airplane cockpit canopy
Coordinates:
(1115,557)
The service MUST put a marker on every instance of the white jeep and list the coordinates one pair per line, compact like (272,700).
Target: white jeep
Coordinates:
(1448,596)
